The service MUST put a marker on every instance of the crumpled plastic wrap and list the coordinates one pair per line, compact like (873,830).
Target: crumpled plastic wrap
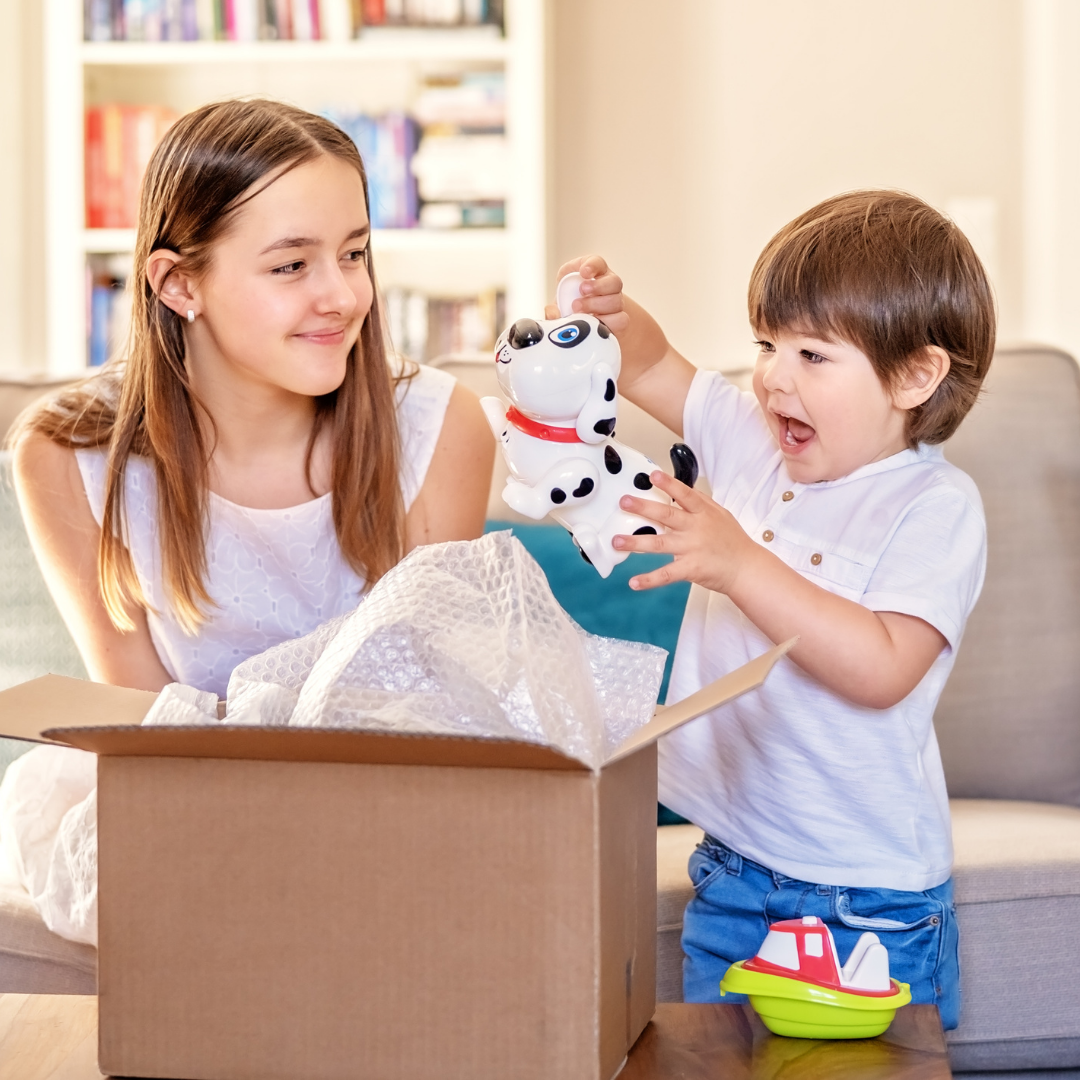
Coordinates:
(459,638)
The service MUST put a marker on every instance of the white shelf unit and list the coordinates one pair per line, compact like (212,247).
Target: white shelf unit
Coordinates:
(381,70)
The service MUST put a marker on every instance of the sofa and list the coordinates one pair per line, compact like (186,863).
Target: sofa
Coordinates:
(1008,725)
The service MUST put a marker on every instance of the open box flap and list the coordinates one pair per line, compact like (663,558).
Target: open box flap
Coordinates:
(29,710)
(351,745)
(107,720)
(736,683)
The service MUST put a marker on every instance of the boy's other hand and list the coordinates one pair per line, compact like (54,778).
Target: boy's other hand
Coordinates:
(708,544)
(601,292)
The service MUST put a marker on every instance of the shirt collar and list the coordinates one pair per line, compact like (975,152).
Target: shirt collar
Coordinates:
(924,452)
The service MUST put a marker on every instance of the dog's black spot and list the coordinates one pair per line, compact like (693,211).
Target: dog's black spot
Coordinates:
(609,390)
(603,331)
(523,333)
(642,481)
(685,464)
(645,530)
(612,461)
(581,552)
(605,427)
(558,495)
(584,488)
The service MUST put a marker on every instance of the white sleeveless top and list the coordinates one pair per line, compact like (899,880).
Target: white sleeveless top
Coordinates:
(274,574)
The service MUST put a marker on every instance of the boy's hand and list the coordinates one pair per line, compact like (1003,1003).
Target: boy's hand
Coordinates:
(601,293)
(709,545)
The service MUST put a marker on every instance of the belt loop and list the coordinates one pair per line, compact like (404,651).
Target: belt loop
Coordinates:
(734,863)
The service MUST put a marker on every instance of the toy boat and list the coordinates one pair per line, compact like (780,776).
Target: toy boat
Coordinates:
(796,984)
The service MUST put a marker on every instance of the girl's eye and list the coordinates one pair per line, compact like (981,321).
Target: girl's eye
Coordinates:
(356,256)
(288,268)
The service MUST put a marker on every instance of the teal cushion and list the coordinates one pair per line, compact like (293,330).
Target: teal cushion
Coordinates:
(608,606)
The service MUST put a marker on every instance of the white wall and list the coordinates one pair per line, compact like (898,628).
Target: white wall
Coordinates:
(21,266)
(688,132)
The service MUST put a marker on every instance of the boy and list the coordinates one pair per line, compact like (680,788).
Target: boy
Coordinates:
(837,519)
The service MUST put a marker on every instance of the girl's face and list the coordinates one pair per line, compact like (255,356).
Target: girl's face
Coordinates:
(826,406)
(287,290)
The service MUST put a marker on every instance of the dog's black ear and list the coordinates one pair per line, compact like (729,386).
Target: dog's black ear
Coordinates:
(685,464)
(525,332)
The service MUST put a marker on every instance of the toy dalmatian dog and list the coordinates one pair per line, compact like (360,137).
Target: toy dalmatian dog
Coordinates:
(557,435)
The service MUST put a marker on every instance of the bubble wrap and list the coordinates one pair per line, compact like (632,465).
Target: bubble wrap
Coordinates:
(464,638)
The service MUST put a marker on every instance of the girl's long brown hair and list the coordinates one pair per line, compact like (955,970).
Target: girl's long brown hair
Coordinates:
(206,168)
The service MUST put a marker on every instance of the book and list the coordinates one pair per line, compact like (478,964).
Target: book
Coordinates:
(119,141)
(427,328)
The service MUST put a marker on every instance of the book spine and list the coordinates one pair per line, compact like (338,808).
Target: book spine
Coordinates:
(206,20)
(94,169)
(316,25)
(301,20)
(112,137)
(247,19)
(117,20)
(335,20)
(229,13)
(189,20)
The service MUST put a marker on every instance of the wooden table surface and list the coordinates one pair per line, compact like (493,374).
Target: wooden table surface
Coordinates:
(43,1037)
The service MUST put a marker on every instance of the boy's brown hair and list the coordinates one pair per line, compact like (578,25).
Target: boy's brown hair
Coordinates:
(885,272)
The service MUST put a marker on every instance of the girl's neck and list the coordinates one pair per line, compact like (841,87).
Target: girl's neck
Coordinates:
(258,434)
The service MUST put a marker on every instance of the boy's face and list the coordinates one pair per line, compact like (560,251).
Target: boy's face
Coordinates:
(826,406)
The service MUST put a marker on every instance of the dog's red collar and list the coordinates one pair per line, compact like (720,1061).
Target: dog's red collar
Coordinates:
(547,432)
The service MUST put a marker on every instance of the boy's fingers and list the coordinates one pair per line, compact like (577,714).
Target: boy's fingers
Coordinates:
(569,267)
(650,509)
(616,323)
(644,544)
(685,497)
(663,575)
(592,266)
(605,284)
(600,305)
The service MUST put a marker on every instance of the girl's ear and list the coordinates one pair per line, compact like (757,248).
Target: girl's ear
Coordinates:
(173,287)
(922,378)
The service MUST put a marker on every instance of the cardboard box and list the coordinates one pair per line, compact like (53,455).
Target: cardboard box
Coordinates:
(328,904)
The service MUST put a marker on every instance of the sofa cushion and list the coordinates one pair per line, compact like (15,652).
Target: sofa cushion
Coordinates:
(1007,722)
(1017,876)
(34,960)
(674,843)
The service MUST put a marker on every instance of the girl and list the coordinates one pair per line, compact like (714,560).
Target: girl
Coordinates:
(250,467)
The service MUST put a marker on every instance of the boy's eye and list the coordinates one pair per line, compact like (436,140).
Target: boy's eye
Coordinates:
(765,346)
(288,268)
(812,357)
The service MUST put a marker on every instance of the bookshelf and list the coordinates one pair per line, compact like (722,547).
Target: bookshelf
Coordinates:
(381,69)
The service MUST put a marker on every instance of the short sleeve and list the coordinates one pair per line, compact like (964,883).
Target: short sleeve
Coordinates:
(421,408)
(934,563)
(724,427)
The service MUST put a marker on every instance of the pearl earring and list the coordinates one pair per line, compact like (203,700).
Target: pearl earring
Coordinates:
(190,315)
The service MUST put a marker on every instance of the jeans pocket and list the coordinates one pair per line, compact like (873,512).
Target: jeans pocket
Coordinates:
(706,865)
(910,925)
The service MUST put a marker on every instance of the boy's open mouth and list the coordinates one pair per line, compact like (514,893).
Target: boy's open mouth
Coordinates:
(794,433)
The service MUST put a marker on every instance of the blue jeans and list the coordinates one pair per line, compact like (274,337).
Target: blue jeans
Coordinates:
(736,900)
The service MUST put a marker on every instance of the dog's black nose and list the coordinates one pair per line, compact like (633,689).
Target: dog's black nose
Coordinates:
(523,333)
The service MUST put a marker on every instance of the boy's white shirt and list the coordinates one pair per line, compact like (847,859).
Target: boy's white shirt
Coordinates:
(794,776)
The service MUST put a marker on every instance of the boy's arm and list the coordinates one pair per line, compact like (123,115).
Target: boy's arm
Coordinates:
(872,658)
(654,376)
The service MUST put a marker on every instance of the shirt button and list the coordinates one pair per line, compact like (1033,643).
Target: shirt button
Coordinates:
(788,496)
(767,536)
(815,559)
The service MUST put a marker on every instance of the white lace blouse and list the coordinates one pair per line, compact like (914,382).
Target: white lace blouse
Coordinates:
(273,574)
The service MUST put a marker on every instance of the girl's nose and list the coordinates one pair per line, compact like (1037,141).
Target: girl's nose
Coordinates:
(334,295)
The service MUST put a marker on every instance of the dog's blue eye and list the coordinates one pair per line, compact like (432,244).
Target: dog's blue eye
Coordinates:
(569,334)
